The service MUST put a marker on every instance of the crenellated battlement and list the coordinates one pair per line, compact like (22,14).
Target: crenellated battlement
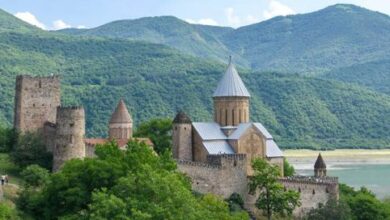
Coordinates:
(66,108)
(198,164)
(310,180)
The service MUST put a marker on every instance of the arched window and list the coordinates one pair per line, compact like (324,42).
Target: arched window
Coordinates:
(233,117)
(226,117)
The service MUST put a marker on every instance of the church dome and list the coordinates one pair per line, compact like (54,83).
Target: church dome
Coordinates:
(121,114)
(231,84)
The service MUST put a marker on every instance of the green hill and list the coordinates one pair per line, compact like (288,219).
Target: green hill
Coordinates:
(156,81)
(375,75)
(333,38)
(198,40)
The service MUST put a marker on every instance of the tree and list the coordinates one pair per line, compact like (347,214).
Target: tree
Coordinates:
(363,203)
(288,169)
(8,138)
(35,176)
(159,131)
(273,198)
(124,184)
(30,149)
(331,210)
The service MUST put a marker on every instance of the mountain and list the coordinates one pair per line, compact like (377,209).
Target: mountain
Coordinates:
(8,22)
(198,40)
(374,75)
(156,81)
(336,38)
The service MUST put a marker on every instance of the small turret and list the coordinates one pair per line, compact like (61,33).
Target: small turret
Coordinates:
(121,123)
(182,137)
(320,167)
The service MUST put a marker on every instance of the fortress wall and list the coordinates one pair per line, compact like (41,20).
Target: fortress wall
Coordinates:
(312,192)
(224,175)
(69,141)
(36,102)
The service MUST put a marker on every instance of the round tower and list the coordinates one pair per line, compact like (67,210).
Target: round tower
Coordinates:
(320,167)
(231,99)
(121,123)
(69,138)
(182,137)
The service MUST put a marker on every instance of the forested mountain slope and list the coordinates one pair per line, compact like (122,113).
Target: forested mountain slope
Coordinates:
(156,81)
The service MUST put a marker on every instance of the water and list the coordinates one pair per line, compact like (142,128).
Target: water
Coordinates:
(375,177)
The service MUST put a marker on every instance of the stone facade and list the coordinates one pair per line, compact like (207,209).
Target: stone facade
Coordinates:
(69,138)
(313,191)
(182,141)
(206,177)
(231,111)
(36,102)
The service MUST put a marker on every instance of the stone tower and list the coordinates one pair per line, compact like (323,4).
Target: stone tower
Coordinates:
(36,102)
(69,138)
(231,99)
(182,137)
(320,167)
(121,124)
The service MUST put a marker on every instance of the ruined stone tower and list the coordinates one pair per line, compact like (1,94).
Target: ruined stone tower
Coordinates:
(231,99)
(182,137)
(36,102)
(69,138)
(121,124)
(320,167)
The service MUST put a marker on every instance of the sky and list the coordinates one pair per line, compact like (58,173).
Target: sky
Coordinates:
(59,14)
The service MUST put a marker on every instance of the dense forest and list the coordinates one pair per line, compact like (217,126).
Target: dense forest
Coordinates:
(156,81)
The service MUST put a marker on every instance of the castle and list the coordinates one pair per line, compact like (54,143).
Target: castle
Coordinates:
(217,155)
(38,109)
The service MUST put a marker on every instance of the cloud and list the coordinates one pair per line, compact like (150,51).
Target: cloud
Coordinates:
(204,21)
(231,17)
(60,24)
(30,18)
(81,27)
(276,8)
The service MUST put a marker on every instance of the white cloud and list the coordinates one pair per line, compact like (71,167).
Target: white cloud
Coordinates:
(276,8)
(231,17)
(81,27)
(60,24)
(204,21)
(30,18)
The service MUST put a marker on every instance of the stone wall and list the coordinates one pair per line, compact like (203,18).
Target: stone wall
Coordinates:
(313,191)
(36,102)
(231,111)
(49,135)
(70,131)
(222,175)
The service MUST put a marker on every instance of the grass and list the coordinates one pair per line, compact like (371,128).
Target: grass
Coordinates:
(9,168)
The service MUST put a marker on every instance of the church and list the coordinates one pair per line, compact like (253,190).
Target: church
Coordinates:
(230,133)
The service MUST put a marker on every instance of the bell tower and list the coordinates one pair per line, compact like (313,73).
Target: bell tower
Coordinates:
(320,167)
(231,99)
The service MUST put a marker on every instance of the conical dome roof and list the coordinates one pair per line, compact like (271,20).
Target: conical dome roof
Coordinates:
(231,84)
(121,114)
(181,118)
(320,163)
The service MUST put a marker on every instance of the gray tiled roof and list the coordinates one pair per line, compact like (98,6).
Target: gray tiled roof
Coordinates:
(241,128)
(263,130)
(218,147)
(231,84)
(272,149)
(215,141)
(209,130)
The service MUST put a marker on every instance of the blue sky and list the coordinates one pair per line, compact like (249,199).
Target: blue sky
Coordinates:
(57,14)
